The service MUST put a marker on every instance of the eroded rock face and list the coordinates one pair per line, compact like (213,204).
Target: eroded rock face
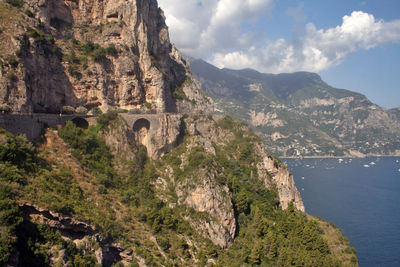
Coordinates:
(284,182)
(273,174)
(80,233)
(142,67)
(205,195)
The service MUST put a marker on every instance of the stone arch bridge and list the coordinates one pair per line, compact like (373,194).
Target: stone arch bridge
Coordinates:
(158,132)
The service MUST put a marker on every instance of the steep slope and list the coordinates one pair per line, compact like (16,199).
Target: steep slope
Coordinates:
(215,198)
(300,115)
(107,54)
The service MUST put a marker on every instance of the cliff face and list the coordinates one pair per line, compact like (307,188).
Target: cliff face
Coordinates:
(193,185)
(96,54)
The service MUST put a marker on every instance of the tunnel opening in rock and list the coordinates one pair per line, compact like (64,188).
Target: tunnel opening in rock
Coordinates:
(80,122)
(140,129)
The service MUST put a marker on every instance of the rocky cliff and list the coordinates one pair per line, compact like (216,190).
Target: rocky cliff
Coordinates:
(199,188)
(107,54)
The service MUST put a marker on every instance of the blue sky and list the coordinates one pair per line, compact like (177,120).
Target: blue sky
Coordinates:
(352,44)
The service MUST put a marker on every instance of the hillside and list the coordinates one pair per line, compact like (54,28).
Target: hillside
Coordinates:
(80,199)
(298,114)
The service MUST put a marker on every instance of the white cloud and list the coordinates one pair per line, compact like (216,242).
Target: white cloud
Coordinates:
(201,28)
(317,49)
(212,29)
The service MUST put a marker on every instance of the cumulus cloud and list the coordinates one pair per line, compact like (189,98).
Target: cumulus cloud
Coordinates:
(215,30)
(318,49)
(201,28)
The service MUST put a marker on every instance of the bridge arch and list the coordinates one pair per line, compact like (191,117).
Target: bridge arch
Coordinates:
(140,129)
(80,122)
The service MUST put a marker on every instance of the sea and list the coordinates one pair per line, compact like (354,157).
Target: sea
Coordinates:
(361,196)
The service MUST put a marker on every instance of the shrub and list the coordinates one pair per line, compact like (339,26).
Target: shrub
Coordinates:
(226,123)
(96,111)
(74,71)
(67,110)
(16,3)
(13,61)
(112,50)
(29,13)
(164,244)
(97,52)
(81,110)
(91,151)
(12,77)
(18,151)
(104,119)
(178,92)
(134,111)
(121,110)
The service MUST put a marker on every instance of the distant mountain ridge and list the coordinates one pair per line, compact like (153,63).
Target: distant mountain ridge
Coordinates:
(298,114)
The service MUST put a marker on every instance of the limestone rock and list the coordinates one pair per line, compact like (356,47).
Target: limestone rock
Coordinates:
(141,69)
(203,194)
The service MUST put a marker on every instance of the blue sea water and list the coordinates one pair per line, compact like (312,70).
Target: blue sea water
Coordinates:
(361,196)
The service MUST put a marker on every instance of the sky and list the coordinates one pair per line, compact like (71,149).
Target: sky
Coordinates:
(352,44)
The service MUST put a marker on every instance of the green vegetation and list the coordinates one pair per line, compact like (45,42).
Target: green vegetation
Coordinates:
(81,110)
(178,92)
(12,77)
(13,61)
(96,111)
(19,164)
(29,13)
(120,197)
(95,51)
(112,50)
(46,41)
(78,55)
(68,110)
(103,120)
(92,152)
(16,3)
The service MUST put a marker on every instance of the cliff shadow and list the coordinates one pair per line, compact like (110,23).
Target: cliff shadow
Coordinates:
(48,88)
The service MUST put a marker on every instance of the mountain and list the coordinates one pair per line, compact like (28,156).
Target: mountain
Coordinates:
(108,54)
(298,114)
(395,112)
(126,164)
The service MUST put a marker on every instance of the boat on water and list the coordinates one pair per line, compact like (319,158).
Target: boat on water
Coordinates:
(366,166)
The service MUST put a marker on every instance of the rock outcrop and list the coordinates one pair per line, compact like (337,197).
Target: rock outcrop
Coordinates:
(159,133)
(107,54)
(284,182)
(205,195)
(272,172)
(80,233)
